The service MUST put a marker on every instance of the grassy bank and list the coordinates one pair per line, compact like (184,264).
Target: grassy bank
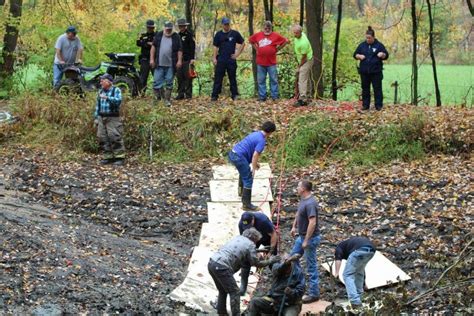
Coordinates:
(200,129)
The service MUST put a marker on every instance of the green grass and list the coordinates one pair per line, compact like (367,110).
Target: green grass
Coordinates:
(456,85)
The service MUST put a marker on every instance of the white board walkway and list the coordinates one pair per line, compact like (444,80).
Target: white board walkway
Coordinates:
(379,271)
(224,211)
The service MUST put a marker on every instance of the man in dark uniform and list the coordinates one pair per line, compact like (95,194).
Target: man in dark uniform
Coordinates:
(185,82)
(145,41)
(264,226)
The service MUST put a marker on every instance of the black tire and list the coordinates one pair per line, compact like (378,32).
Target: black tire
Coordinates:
(126,85)
(67,87)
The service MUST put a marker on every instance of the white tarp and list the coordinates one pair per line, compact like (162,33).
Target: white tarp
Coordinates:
(227,191)
(380,271)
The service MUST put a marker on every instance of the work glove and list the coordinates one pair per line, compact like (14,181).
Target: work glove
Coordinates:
(288,291)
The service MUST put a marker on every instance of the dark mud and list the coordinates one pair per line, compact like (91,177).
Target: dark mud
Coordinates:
(78,237)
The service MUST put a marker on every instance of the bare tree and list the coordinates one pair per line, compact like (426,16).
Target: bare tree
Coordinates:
(268,11)
(336,48)
(189,13)
(314,25)
(471,8)
(254,52)
(414,66)
(10,38)
(302,12)
(433,60)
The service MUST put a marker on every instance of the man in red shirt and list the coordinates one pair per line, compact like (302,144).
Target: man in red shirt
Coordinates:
(267,44)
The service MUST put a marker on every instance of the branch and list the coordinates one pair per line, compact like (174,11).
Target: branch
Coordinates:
(471,8)
(432,291)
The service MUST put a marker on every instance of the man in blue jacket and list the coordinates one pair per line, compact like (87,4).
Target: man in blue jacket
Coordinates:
(285,293)
(371,54)
(108,121)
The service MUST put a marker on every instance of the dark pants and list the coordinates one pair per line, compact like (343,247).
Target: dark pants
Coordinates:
(145,71)
(267,306)
(225,283)
(376,81)
(109,132)
(185,83)
(221,68)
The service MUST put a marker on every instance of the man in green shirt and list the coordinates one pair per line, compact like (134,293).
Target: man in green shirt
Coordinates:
(304,56)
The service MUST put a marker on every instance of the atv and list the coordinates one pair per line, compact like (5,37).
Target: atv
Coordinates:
(79,79)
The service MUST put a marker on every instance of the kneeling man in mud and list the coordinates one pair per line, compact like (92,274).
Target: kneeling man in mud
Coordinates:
(228,260)
(108,122)
(284,297)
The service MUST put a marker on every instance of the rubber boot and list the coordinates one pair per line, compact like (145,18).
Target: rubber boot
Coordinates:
(158,94)
(167,97)
(241,186)
(246,198)
(244,279)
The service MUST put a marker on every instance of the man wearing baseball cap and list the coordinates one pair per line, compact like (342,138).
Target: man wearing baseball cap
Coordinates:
(68,51)
(225,58)
(264,226)
(166,56)
(108,121)
(144,42)
(185,82)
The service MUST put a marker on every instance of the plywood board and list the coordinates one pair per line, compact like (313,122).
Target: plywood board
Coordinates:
(229,172)
(380,271)
(227,191)
(214,236)
(225,213)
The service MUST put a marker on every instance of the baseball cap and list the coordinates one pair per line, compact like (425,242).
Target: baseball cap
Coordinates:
(150,23)
(246,220)
(168,25)
(182,22)
(71,29)
(108,77)
(225,21)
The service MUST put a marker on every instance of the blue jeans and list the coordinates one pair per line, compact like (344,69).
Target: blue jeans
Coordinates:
(243,167)
(354,274)
(57,74)
(310,256)
(262,81)
(163,77)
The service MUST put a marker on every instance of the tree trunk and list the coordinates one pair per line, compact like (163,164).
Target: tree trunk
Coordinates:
(336,46)
(254,52)
(360,7)
(414,66)
(302,12)
(314,25)
(471,8)
(266,8)
(433,60)
(10,38)
(189,14)
(271,11)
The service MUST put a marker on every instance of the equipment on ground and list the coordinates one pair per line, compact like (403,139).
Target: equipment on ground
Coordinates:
(79,79)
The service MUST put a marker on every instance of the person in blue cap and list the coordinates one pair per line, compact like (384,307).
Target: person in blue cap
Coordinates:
(264,226)
(225,58)
(68,52)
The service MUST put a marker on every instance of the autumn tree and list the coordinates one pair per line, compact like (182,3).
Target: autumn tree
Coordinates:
(336,46)
(10,39)
(254,52)
(414,65)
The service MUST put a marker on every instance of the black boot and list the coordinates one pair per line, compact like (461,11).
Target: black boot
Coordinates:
(246,198)
(244,280)
(241,186)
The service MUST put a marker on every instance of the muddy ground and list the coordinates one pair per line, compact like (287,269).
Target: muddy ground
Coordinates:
(80,237)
